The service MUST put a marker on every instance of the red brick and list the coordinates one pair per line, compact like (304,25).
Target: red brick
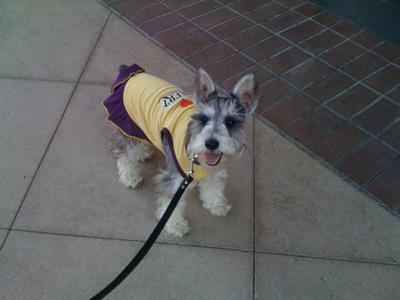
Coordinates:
(130,6)
(267,11)
(227,2)
(273,91)
(192,44)
(342,53)
(307,73)
(327,19)
(289,110)
(388,50)
(377,117)
(215,17)
(291,3)
(302,31)
(199,8)
(387,186)
(176,4)
(244,6)
(347,28)
(148,13)
(164,22)
(309,9)
(364,65)
(353,101)
(286,60)
(248,37)
(313,126)
(229,67)
(267,48)
(262,76)
(395,95)
(367,39)
(367,162)
(392,136)
(339,143)
(329,86)
(209,56)
(385,79)
(322,41)
(231,27)
(283,21)
(176,33)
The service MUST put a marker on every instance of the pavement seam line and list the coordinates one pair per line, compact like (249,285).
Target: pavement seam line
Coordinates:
(244,250)
(249,251)
(54,132)
(328,258)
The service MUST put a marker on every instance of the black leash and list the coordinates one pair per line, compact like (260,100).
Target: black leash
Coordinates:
(149,243)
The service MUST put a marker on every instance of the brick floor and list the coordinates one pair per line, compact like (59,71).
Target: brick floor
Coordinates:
(325,81)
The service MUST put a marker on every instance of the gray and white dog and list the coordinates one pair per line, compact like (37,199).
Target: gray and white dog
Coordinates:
(215,133)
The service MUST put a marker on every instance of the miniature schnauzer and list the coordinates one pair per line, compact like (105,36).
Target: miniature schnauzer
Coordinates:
(214,134)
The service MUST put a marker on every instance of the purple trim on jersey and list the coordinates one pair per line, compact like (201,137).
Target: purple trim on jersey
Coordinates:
(118,115)
(125,74)
(167,135)
(114,104)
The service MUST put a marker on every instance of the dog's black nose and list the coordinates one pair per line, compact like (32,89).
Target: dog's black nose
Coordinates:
(212,144)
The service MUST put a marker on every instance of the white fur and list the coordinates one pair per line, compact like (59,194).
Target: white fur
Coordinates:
(246,91)
(205,85)
(177,225)
(128,172)
(212,194)
(127,163)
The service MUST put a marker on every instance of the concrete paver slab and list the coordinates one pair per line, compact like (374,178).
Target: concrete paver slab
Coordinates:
(77,191)
(304,208)
(42,266)
(291,278)
(120,44)
(48,39)
(2,235)
(29,114)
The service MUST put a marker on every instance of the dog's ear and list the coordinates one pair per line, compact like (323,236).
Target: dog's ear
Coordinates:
(204,85)
(246,91)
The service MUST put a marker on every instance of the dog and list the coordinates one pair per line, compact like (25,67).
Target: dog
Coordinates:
(147,110)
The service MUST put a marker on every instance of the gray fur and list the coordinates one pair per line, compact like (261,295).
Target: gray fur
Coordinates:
(217,117)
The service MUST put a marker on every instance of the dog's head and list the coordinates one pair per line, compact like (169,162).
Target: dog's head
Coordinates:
(216,130)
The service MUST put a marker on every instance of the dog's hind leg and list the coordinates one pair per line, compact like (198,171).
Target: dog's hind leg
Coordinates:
(142,152)
(212,194)
(127,162)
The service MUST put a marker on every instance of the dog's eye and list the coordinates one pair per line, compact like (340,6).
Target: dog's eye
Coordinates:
(203,119)
(230,122)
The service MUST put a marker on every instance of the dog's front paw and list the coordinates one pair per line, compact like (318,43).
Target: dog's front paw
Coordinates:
(177,228)
(130,181)
(220,209)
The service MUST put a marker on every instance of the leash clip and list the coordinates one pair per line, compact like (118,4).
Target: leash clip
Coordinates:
(191,162)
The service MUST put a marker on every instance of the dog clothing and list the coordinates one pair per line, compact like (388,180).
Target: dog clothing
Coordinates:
(148,108)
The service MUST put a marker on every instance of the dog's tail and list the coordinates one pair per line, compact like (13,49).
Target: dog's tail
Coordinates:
(122,67)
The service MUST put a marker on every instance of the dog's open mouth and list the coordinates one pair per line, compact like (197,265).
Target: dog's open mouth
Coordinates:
(213,159)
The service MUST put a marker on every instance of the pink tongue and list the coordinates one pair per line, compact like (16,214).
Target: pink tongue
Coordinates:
(212,159)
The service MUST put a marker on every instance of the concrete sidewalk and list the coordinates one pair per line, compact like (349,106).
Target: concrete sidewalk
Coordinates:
(67,226)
